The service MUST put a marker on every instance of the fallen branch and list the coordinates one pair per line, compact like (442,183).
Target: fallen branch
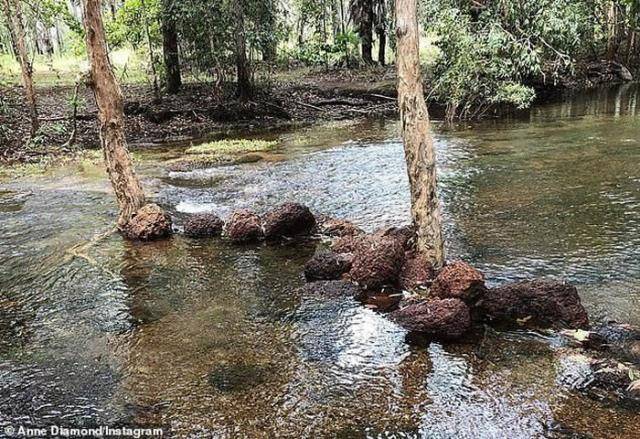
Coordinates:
(382,97)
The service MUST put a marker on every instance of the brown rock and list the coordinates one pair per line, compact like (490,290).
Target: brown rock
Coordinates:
(545,302)
(440,318)
(326,266)
(349,244)
(288,219)
(148,223)
(203,224)
(337,228)
(376,263)
(416,272)
(244,226)
(460,280)
(405,235)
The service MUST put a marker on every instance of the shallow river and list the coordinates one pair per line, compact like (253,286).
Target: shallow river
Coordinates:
(211,340)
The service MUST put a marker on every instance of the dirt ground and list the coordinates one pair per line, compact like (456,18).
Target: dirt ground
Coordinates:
(198,110)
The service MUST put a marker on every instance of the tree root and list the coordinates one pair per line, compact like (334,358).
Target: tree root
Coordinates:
(80,251)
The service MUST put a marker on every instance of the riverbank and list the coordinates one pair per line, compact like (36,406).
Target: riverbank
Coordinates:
(210,111)
(198,111)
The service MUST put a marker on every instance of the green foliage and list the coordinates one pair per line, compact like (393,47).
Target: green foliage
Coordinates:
(342,52)
(489,55)
(131,22)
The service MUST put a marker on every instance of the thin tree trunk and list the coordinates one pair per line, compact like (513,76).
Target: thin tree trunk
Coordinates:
(152,57)
(366,32)
(126,185)
(269,44)
(16,26)
(418,145)
(335,19)
(382,48)
(170,48)
(74,113)
(242,65)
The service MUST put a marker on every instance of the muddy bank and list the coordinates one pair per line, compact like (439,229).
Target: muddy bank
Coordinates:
(205,110)
(197,111)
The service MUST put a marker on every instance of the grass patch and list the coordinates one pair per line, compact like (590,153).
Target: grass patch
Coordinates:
(89,162)
(232,146)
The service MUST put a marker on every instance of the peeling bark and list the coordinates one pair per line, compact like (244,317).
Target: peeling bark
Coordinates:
(13,13)
(418,143)
(126,185)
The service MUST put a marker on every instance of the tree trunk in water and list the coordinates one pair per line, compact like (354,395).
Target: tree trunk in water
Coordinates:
(366,32)
(382,48)
(170,48)
(16,26)
(418,144)
(244,82)
(126,185)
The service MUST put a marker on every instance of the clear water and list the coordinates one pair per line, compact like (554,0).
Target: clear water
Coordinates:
(211,340)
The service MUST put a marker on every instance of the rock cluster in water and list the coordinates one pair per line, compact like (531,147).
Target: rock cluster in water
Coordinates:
(385,271)
(384,264)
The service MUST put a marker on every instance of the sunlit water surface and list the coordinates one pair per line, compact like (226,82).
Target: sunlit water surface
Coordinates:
(212,340)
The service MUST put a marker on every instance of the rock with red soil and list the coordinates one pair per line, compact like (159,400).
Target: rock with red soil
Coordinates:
(376,263)
(326,266)
(439,318)
(405,235)
(337,228)
(244,226)
(203,225)
(148,223)
(543,302)
(288,219)
(349,244)
(417,272)
(331,288)
(459,280)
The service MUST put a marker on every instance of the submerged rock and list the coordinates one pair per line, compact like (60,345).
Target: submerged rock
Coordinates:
(288,219)
(377,262)
(244,226)
(459,280)
(545,302)
(621,340)
(338,228)
(416,272)
(148,223)
(331,288)
(439,318)
(326,266)
(605,380)
(237,377)
(203,224)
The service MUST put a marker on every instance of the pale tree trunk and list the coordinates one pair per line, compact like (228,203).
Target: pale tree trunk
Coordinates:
(418,144)
(14,19)
(126,185)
